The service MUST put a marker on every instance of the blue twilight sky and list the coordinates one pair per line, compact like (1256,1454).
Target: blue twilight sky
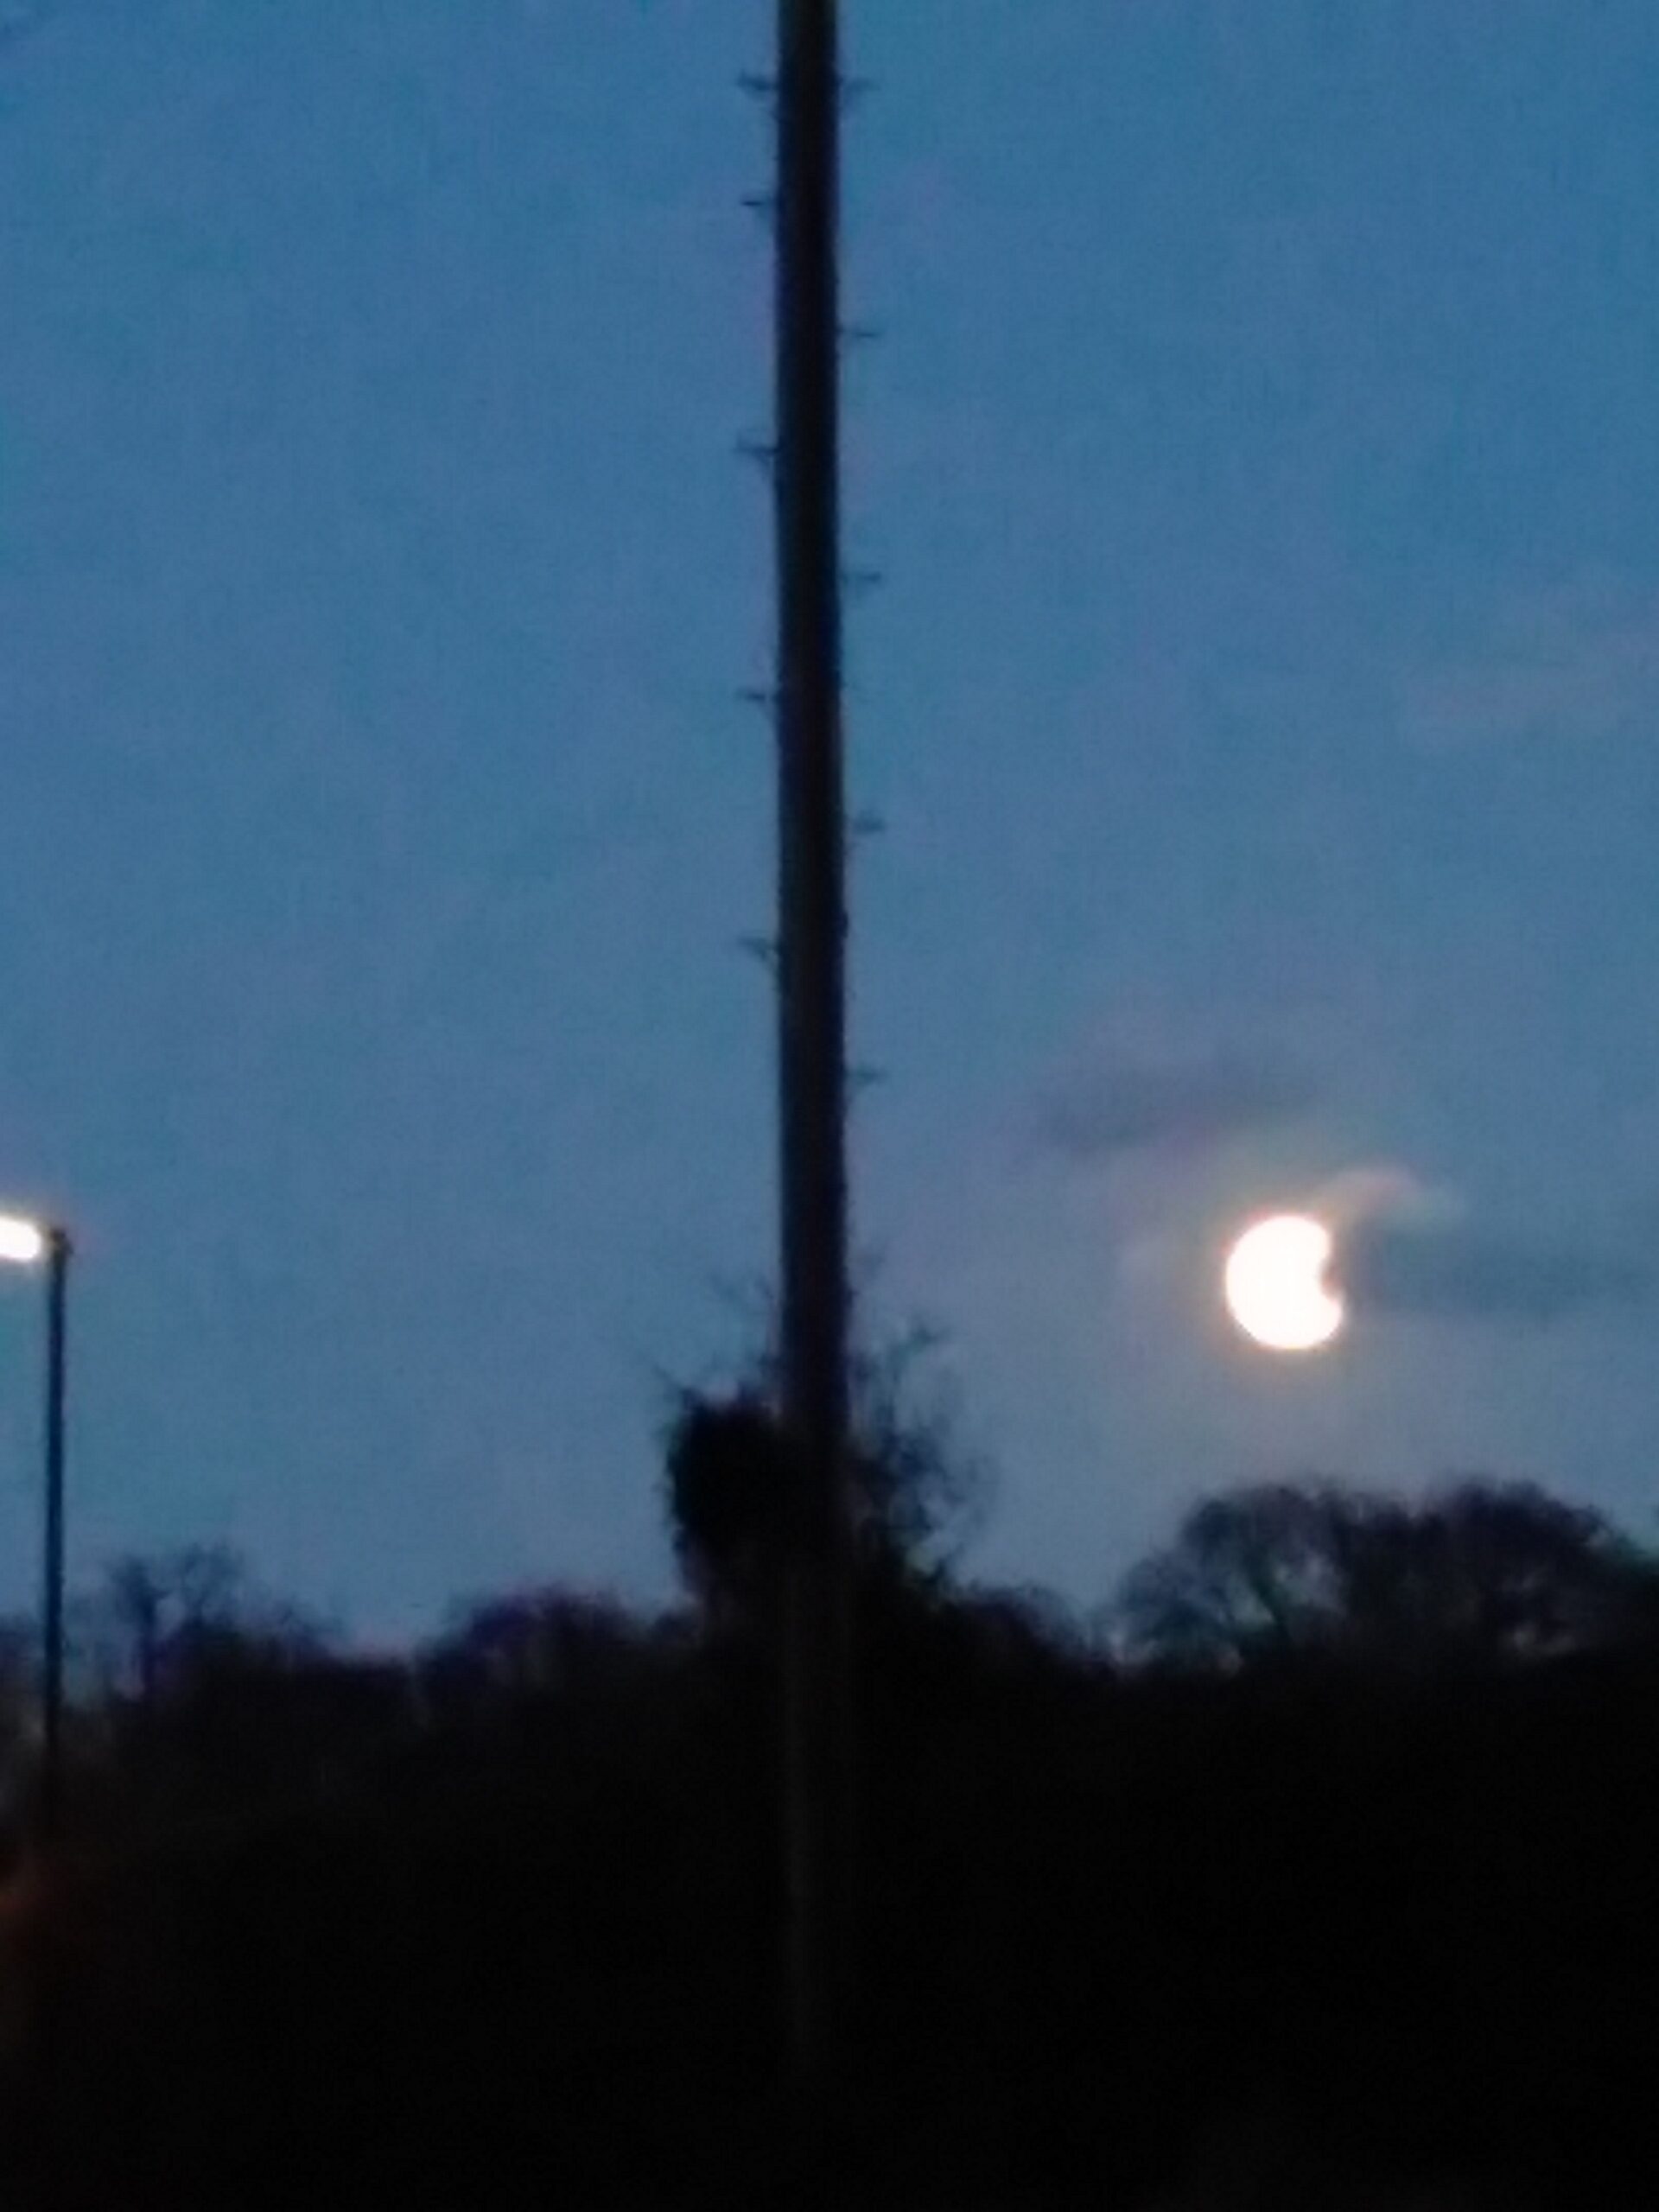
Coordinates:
(1262,701)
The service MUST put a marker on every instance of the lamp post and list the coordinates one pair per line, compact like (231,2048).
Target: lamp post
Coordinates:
(30,1243)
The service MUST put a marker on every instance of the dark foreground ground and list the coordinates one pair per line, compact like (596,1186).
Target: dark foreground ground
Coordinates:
(1278,1941)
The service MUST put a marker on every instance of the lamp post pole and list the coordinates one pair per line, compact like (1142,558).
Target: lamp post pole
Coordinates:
(58,1249)
(28,1243)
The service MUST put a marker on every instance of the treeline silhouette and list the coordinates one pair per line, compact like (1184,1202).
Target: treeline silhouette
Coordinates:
(1320,1861)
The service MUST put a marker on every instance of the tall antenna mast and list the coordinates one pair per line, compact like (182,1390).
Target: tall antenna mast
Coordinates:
(811,1038)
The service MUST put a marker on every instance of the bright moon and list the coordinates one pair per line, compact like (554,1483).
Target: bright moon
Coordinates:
(1275,1284)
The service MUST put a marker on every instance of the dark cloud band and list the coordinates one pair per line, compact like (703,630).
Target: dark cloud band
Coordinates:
(1457,1272)
(1129,1106)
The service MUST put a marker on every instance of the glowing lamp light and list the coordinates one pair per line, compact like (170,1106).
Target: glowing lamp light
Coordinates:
(23,1242)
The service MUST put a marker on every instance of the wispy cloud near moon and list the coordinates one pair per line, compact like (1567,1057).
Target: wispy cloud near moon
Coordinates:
(1580,661)
(1112,1106)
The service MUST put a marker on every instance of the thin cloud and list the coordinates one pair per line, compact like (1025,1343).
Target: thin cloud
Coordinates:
(1579,662)
(1450,1272)
(1110,1108)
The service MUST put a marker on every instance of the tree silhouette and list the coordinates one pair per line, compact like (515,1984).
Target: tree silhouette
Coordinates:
(205,1696)
(17,1728)
(499,1918)
(915,1492)
(1483,1571)
(727,1478)
(153,1615)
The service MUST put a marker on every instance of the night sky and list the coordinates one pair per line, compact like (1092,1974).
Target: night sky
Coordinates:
(1262,699)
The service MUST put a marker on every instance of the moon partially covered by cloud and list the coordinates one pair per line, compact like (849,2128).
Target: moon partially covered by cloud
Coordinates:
(1277,1284)
(1187,1119)
(1405,1247)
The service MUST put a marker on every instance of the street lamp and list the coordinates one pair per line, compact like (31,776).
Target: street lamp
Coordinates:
(30,1243)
